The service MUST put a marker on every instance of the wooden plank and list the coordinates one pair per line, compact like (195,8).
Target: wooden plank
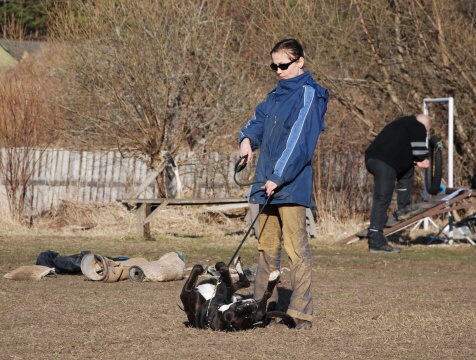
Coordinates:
(129,172)
(101,175)
(48,193)
(122,175)
(156,211)
(108,176)
(73,178)
(145,215)
(62,173)
(226,207)
(143,227)
(41,187)
(185,201)
(150,177)
(36,204)
(96,166)
(115,178)
(87,174)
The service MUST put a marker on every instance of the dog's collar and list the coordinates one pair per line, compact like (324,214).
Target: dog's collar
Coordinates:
(211,315)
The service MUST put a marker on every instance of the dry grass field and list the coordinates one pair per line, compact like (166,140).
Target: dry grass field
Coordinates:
(416,305)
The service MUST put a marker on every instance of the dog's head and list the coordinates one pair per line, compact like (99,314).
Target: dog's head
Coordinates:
(240,315)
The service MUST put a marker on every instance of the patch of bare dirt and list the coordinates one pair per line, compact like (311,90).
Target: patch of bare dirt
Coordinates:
(419,304)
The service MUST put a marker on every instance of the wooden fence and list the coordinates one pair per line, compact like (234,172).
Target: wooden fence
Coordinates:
(105,176)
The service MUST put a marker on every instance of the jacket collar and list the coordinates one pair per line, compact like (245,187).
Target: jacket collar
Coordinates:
(286,85)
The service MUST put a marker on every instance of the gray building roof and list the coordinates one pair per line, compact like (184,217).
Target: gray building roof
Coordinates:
(19,48)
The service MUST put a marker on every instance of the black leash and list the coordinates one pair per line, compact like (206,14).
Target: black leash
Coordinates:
(239,166)
(249,230)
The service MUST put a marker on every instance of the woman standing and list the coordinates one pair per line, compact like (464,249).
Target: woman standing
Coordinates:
(285,127)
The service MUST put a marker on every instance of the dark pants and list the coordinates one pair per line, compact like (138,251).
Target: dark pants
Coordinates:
(384,185)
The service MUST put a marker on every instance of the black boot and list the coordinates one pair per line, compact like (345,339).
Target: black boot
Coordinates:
(379,244)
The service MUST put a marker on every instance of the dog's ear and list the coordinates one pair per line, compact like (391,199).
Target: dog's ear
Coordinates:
(229,314)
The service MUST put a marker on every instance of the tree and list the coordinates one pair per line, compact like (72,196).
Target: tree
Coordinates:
(151,76)
(423,49)
(380,59)
(158,76)
(26,122)
(30,13)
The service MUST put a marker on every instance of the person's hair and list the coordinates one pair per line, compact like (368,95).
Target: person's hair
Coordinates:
(292,47)
(425,120)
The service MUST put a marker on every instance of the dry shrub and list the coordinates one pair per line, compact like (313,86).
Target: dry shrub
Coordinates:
(196,221)
(152,76)
(28,122)
(7,223)
(25,125)
(333,228)
(181,221)
(100,218)
(70,215)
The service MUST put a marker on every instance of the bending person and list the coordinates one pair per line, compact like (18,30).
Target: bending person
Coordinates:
(391,157)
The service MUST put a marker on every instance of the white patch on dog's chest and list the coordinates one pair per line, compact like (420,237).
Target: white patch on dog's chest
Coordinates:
(206,290)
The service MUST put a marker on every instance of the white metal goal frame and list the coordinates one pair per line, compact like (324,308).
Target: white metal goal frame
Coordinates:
(450,179)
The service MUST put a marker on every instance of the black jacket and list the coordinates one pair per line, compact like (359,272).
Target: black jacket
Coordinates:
(400,143)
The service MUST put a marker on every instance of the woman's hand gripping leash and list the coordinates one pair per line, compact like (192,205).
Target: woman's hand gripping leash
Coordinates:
(269,188)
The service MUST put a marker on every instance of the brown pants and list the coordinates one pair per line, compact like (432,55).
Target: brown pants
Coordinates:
(286,223)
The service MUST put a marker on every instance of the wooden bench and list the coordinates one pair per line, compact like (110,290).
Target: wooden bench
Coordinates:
(147,209)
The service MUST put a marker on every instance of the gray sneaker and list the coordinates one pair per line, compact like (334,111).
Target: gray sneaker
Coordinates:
(402,214)
(302,324)
(386,249)
(392,220)
(409,211)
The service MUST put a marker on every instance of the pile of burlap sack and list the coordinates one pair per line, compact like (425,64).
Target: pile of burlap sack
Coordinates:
(96,267)
(168,267)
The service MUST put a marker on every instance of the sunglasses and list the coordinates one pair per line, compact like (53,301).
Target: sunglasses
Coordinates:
(275,67)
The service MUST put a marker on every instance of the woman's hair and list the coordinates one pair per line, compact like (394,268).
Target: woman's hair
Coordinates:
(292,47)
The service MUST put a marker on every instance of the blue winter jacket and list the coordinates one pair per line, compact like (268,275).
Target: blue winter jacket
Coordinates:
(285,127)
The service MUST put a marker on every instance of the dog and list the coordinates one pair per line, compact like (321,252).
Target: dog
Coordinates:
(213,303)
